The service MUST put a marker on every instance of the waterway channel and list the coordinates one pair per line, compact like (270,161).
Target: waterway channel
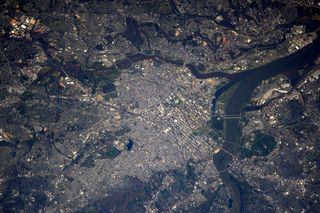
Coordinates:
(248,81)
(241,97)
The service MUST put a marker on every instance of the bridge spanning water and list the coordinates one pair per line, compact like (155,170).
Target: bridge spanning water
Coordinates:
(248,81)
(240,97)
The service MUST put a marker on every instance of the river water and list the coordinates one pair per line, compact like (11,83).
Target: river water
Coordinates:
(248,81)
(241,96)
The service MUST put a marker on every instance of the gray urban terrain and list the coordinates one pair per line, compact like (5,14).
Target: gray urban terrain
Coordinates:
(160,106)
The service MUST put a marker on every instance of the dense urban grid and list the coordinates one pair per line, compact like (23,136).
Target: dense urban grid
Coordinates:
(121,106)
